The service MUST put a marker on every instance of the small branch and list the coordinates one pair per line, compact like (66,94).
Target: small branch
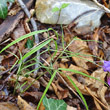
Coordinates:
(16,66)
(23,6)
(101,6)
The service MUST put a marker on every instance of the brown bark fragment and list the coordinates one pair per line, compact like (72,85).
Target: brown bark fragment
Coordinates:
(11,22)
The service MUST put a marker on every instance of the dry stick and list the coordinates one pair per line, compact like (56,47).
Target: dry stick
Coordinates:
(23,6)
(16,66)
(101,6)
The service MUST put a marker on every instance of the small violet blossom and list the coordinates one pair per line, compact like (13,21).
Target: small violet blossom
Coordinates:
(106,68)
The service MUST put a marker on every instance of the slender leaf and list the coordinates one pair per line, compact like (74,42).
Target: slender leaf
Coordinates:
(78,72)
(22,38)
(35,49)
(29,43)
(79,92)
(55,9)
(64,5)
(47,87)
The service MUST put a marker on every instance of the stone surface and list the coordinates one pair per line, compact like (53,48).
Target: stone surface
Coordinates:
(83,12)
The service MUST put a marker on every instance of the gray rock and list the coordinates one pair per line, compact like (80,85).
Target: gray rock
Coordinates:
(83,12)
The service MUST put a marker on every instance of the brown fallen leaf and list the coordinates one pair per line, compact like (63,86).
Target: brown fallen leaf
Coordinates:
(77,68)
(93,83)
(71,108)
(41,106)
(23,105)
(2,68)
(9,60)
(8,106)
(11,22)
(33,97)
(101,94)
(60,92)
(35,85)
(78,84)
(93,45)
(18,32)
(83,58)
(95,98)
(98,106)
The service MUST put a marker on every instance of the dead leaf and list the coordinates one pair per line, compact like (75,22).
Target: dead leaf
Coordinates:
(100,74)
(23,105)
(41,106)
(30,81)
(18,32)
(98,106)
(8,106)
(71,108)
(77,68)
(2,68)
(33,97)
(101,94)
(93,45)
(79,85)
(81,53)
(95,98)
(60,92)
(44,83)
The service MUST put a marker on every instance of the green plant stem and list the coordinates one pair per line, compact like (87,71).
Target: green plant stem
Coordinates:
(47,87)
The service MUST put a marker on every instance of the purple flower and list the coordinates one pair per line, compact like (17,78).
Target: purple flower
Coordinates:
(106,66)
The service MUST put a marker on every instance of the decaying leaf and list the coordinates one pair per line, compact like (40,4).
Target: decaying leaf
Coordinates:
(30,81)
(89,86)
(2,68)
(18,32)
(98,106)
(60,92)
(81,53)
(99,74)
(79,85)
(70,108)
(8,106)
(93,45)
(23,105)
(33,97)
(41,106)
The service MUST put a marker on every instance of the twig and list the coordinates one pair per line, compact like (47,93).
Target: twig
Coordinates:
(10,75)
(23,6)
(101,6)
(16,66)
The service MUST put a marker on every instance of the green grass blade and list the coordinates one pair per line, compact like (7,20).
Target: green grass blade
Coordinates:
(78,72)
(35,49)
(22,38)
(79,92)
(47,87)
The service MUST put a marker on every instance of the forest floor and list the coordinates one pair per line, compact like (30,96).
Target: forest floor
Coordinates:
(70,64)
